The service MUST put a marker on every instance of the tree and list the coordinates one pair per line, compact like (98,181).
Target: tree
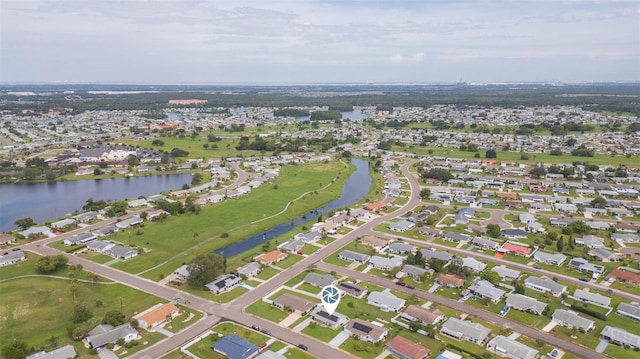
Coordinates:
(158,143)
(81,314)
(17,349)
(205,268)
(599,202)
(519,288)
(113,317)
(538,172)
(196,179)
(491,154)
(560,245)
(50,264)
(493,230)
(491,276)
(439,174)
(24,223)
(425,193)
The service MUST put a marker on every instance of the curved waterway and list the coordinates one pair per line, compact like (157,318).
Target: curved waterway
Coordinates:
(48,201)
(355,188)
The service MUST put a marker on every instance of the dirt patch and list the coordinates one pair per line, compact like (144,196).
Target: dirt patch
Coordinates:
(634,252)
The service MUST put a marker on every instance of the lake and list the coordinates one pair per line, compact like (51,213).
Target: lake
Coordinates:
(48,201)
(355,188)
(355,115)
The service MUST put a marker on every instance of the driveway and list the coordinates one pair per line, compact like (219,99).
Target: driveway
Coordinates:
(602,345)
(105,353)
(339,339)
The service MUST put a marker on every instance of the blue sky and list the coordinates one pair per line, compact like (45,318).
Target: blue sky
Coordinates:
(299,41)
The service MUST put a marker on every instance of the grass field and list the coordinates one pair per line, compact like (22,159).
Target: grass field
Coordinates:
(172,242)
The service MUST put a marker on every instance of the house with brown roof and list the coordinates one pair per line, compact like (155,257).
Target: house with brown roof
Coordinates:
(157,315)
(508,195)
(426,316)
(271,257)
(375,242)
(365,331)
(294,303)
(450,280)
(406,349)
(624,276)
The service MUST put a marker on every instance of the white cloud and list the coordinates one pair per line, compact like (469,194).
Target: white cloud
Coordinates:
(396,59)
(417,57)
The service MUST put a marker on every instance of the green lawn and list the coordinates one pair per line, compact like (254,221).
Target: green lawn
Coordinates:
(309,289)
(267,272)
(182,321)
(266,311)
(361,349)
(289,261)
(320,332)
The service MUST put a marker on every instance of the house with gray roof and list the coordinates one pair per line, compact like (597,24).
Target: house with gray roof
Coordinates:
(560,222)
(549,258)
(292,246)
(571,319)
(604,255)
(428,316)
(79,239)
(223,283)
(250,269)
(99,246)
(401,248)
(12,258)
(486,243)
(412,271)
(506,274)
(308,237)
(590,241)
(333,321)
(473,264)
(129,222)
(352,256)
(85,217)
(463,329)
(625,237)
(65,352)
(365,331)
(182,272)
(121,252)
(37,231)
(545,285)
(620,337)
(629,310)
(583,265)
(401,226)
(319,280)
(516,233)
(386,301)
(429,254)
(352,289)
(456,237)
(385,263)
(592,298)
(235,347)
(61,224)
(104,334)
(106,230)
(510,348)
(485,289)
(525,303)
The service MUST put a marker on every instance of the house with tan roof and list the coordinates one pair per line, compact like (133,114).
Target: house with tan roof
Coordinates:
(271,257)
(425,315)
(365,331)
(157,315)
(450,280)
(406,349)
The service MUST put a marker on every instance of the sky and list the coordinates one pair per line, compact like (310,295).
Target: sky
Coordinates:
(309,41)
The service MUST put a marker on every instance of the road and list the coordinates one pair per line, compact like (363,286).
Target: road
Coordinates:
(234,311)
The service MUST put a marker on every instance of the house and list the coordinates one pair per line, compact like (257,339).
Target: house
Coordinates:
(104,334)
(473,264)
(412,271)
(137,203)
(250,269)
(545,285)
(292,246)
(129,222)
(484,289)
(571,319)
(182,272)
(465,213)
(426,316)
(549,258)
(62,224)
(79,239)
(514,233)
(629,310)
(592,298)
(598,225)
(386,301)
(365,331)
(625,237)
(582,265)
(99,246)
(401,226)
(620,337)
(319,280)
(352,256)
(294,303)
(450,280)
(332,321)
(463,329)
(106,230)
(406,349)
(624,276)
(65,352)
(235,347)
(590,241)
(157,315)
(506,274)
(223,283)
(510,348)
(271,257)
(158,213)
(12,258)
(352,289)
(560,222)
(429,254)
(308,237)
(525,304)
(384,263)
(85,217)
(375,242)
(120,252)
(602,254)
(36,231)
(455,237)
(268,354)
(485,243)
(401,248)
(448,355)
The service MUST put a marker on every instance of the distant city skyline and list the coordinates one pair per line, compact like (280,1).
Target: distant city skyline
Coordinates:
(331,41)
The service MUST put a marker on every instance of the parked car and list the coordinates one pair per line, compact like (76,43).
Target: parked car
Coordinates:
(303,347)
(584,279)
(537,267)
(410,286)
(266,331)
(400,283)
(263,345)
(255,327)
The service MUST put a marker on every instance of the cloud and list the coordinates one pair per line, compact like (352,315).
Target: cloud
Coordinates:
(417,57)
(396,59)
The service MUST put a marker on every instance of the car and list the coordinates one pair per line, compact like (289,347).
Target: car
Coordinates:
(399,239)
(303,347)
(299,253)
(266,331)
(584,279)
(255,327)
(16,249)
(263,345)
(400,283)
(410,286)
(537,267)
